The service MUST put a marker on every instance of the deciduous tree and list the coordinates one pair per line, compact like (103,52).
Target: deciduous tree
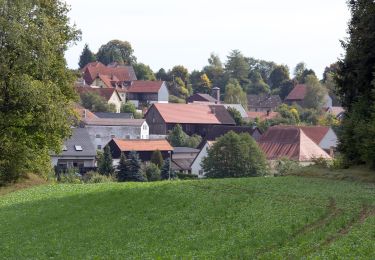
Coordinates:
(234,93)
(116,51)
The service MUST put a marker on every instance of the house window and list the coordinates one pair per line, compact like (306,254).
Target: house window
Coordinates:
(144,127)
(200,172)
(78,148)
(97,136)
(65,148)
(99,147)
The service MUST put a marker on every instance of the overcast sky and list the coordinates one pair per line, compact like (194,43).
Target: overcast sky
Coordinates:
(165,33)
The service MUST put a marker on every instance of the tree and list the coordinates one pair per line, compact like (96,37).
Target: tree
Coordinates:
(144,72)
(134,166)
(285,88)
(298,71)
(193,141)
(116,51)
(237,67)
(162,75)
(96,103)
(165,172)
(180,72)
(204,84)
(177,136)
(315,93)
(257,85)
(234,155)
(234,93)
(157,158)
(355,81)
(105,164)
(35,85)
(123,168)
(279,75)
(152,171)
(86,57)
(215,71)
(236,115)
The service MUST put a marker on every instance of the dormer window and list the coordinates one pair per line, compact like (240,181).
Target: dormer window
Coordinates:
(78,148)
(65,148)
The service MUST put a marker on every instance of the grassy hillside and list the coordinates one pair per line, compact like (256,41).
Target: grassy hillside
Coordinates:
(235,218)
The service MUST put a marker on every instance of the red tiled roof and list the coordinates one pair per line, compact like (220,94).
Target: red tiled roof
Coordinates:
(145,86)
(106,93)
(194,113)
(289,142)
(121,73)
(262,115)
(142,145)
(297,93)
(315,133)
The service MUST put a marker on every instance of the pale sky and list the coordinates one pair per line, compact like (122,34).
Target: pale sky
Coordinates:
(165,33)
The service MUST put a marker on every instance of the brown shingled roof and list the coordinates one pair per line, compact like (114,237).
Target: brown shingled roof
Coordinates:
(297,93)
(194,113)
(145,86)
(142,145)
(290,142)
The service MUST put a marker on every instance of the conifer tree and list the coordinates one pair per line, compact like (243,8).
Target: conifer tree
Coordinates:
(165,170)
(105,162)
(86,57)
(123,168)
(157,158)
(134,166)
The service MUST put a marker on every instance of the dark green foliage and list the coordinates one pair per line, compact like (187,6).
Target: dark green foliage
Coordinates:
(180,72)
(105,164)
(184,176)
(86,57)
(152,172)
(315,93)
(134,168)
(257,85)
(123,168)
(35,85)
(96,103)
(116,51)
(235,155)
(236,116)
(143,72)
(129,107)
(234,93)
(178,138)
(166,172)
(356,88)
(285,88)
(162,75)
(279,75)
(157,158)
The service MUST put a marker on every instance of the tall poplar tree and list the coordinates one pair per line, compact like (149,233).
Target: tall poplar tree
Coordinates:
(86,57)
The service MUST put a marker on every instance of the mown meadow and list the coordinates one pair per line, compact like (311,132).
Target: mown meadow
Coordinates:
(266,218)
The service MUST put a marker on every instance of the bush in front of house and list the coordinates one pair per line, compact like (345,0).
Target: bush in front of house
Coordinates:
(235,155)
(151,171)
(285,166)
(95,177)
(184,176)
(69,176)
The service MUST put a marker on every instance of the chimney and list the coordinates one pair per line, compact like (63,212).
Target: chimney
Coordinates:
(216,94)
(84,114)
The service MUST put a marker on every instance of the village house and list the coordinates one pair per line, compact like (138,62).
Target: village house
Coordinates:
(298,94)
(196,165)
(182,159)
(263,103)
(110,115)
(143,92)
(291,143)
(102,130)
(338,112)
(193,118)
(78,152)
(110,95)
(144,148)
(323,136)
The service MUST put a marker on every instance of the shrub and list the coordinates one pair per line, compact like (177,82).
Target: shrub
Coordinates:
(322,162)
(95,177)
(285,166)
(184,176)
(69,176)
(152,172)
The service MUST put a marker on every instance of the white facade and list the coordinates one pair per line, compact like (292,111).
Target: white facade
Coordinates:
(196,167)
(116,100)
(100,135)
(163,94)
(329,140)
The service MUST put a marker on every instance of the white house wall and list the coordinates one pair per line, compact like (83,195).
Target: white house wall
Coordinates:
(163,94)
(101,135)
(196,165)
(329,140)
(115,99)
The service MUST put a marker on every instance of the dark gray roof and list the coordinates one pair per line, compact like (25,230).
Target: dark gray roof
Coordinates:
(80,137)
(263,101)
(201,97)
(181,164)
(114,115)
(185,150)
(114,122)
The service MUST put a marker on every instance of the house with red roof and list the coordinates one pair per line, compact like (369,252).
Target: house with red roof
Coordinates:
(144,148)
(293,143)
(298,94)
(193,118)
(145,92)
(110,95)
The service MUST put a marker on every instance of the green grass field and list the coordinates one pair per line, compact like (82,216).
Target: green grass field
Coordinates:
(267,218)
